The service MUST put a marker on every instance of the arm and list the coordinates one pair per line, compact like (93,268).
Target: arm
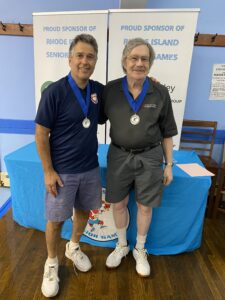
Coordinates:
(102,116)
(43,148)
(167,144)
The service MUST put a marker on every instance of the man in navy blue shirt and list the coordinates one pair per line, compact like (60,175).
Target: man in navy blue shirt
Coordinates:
(66,127)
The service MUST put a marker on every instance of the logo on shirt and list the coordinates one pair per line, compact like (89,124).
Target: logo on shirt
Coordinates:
(94,98)
(149,105)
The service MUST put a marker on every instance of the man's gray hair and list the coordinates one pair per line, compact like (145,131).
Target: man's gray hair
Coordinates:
(132,43)
(84,38)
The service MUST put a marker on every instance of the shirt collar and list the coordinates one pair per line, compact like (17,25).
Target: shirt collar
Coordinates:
(150,88)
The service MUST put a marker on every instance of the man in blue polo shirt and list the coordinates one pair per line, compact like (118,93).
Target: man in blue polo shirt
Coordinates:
(66,127)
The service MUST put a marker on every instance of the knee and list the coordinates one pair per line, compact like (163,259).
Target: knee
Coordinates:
(119,207)
(82,213)
(54,226)
(144,210)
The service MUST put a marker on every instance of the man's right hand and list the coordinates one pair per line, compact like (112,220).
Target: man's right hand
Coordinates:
(51,181)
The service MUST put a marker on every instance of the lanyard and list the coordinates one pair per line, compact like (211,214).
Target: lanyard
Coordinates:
(135,105)
(84,105)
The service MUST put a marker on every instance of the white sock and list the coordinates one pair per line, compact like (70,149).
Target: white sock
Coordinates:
(141,239)
(122,236)
(52,261)
(74,245)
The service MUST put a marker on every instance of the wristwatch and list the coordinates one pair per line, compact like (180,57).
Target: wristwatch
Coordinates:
(171,164)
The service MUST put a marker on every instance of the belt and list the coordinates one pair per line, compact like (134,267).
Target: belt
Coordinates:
(138,150)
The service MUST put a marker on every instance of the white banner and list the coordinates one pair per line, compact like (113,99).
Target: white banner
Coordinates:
(171,33)
(53,33)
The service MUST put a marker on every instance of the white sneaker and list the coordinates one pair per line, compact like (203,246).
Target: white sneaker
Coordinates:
(114,259)
(50,283)
(142,264)
(80,260)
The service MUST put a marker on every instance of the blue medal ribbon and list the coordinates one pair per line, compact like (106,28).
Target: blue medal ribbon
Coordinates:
(83,104)
(135,104)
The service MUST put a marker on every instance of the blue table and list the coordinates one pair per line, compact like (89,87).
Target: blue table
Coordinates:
(176,226)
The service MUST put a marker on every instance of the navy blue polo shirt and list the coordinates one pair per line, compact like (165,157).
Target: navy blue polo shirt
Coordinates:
(73,147)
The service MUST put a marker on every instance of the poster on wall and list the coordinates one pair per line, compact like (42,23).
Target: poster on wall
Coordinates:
(217,90)
(53,33)
(171,34)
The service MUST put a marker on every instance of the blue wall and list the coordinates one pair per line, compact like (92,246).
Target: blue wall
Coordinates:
(13,11)
(198,106)
(17,103)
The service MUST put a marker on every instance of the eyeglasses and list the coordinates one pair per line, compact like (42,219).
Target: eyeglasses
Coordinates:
(89,57)
(135,58)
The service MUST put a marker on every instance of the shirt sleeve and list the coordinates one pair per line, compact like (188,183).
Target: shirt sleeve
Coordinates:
(102,116)
(47,110)
(167,122)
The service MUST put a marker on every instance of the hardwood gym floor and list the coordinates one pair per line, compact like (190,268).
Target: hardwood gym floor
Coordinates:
(195,275)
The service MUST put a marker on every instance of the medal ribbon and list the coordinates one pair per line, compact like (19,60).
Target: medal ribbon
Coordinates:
(84,105)
(135,104)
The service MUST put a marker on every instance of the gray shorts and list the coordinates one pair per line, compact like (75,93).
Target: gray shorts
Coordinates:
(82,191)
(143,172)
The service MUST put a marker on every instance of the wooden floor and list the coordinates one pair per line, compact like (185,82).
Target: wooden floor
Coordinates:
(196,275)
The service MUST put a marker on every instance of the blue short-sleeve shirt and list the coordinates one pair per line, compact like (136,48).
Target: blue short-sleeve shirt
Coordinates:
(73,147)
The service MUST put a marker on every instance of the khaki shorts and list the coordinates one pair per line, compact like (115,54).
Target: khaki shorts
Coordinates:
(142,171)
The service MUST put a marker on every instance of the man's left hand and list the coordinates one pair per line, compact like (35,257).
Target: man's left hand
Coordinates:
(168,175)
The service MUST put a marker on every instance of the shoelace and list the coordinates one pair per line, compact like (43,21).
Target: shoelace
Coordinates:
(76,252)
(51,274)
(75,270)
(119,248)
(142,254)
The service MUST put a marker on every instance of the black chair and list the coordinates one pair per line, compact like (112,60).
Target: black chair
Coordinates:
(200,136)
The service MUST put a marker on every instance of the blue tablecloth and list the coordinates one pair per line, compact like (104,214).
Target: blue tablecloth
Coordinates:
(176,226)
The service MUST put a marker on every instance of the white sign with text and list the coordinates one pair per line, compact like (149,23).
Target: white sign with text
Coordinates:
(53,33)
(171,34)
